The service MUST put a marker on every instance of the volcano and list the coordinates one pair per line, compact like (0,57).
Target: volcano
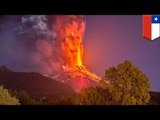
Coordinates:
(74,72)
(77,78)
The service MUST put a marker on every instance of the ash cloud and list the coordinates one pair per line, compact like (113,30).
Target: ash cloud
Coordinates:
(36,26)
(33,42)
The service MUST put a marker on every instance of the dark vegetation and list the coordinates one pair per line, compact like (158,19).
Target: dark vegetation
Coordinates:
(124,84)
(155,98)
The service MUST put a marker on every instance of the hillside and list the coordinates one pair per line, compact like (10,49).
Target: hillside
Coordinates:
(35,84)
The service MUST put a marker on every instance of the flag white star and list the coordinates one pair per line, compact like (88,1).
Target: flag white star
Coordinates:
(155,18)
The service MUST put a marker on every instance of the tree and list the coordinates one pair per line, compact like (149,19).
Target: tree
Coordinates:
(89,96)
(24,98)
(93,96)
(6,98)
(64,100)
(128,84)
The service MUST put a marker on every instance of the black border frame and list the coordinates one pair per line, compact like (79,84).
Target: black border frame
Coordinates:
(99,7)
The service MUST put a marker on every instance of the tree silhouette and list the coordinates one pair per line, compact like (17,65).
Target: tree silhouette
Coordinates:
(6,98)
(128,84)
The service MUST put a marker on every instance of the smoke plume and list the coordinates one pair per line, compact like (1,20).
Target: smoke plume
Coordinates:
(33,42)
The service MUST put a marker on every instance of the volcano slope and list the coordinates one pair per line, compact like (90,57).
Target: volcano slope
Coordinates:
(35,84)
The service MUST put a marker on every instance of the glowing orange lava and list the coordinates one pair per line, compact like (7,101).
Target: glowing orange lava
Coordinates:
(71,33)
(74,50)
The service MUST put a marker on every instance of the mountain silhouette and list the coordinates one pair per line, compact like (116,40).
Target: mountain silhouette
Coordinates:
(35,84)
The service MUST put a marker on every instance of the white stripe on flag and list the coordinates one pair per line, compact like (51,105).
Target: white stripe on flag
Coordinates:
(155,31)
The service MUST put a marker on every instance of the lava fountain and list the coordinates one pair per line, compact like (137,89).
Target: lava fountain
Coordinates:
(70,31)
(73,48)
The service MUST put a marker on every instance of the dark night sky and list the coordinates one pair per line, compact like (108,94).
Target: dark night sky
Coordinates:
(109,40)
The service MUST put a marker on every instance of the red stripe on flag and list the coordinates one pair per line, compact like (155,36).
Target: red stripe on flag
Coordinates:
(147,20)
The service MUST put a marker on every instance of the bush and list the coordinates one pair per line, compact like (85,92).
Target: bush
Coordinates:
(6,98)
(25,99)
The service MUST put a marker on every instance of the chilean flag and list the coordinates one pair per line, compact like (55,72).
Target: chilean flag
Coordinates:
(151,26)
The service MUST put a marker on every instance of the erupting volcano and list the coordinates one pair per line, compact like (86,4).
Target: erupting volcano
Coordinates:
(73,49)
(70,30)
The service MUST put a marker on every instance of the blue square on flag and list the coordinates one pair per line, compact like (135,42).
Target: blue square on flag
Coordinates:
(156,19)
